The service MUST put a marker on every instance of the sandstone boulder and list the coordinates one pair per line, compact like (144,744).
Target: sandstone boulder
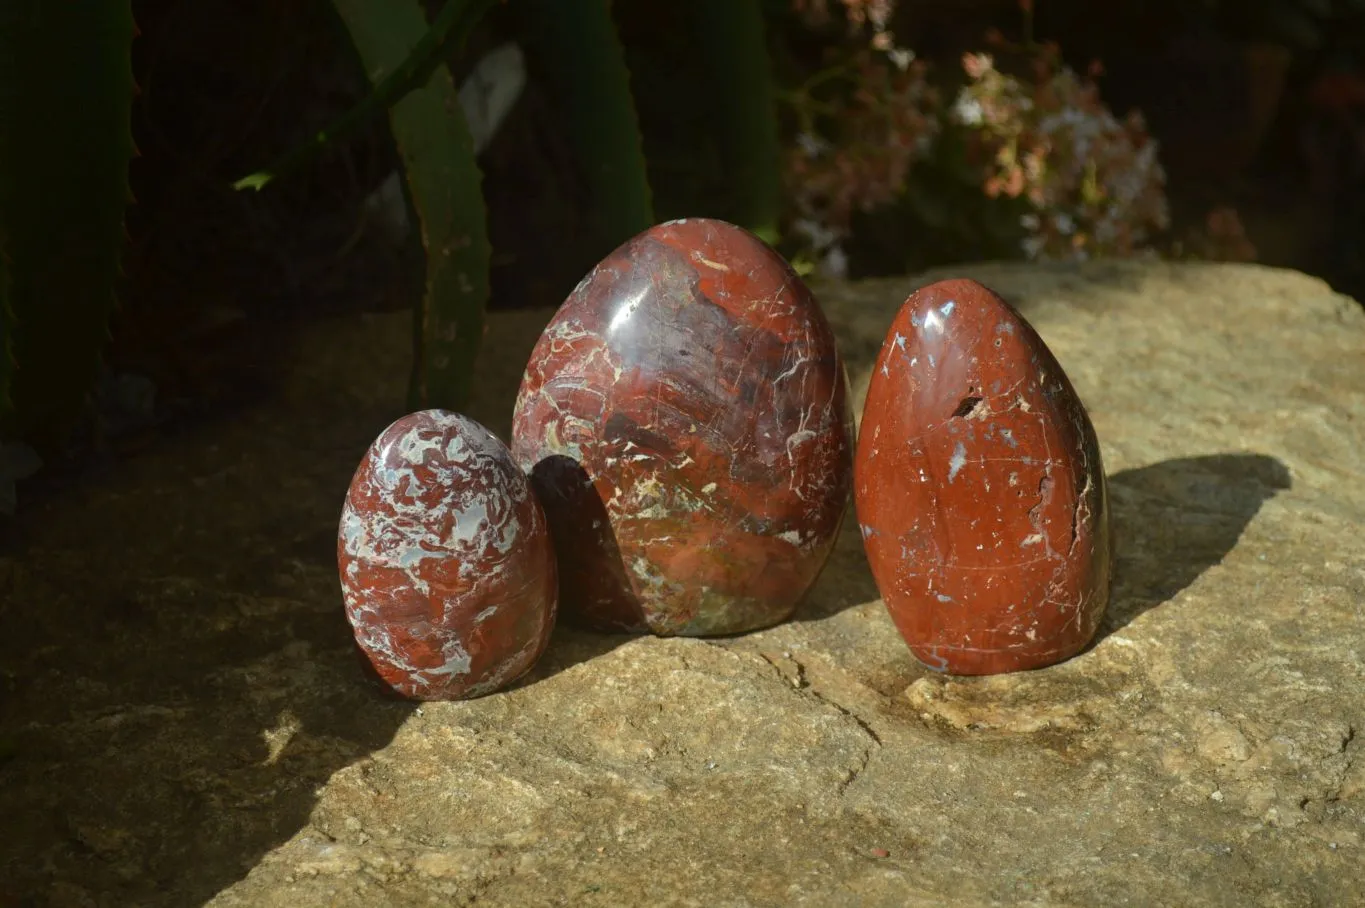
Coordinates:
(184,722)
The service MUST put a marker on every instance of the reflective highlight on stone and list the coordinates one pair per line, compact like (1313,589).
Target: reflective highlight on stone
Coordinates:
(979,488)
(685,420)
(446,564)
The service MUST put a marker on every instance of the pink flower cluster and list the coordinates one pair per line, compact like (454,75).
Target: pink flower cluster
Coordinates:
(1095,183)
(886,122)
(876,13)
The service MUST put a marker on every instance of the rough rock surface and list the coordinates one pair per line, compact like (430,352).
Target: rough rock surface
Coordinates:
(184,721)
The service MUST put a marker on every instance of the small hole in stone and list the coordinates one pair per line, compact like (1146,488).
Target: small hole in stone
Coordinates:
(967,406)
(997,342)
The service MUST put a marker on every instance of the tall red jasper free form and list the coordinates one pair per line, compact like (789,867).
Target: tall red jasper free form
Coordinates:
(979,488)
(684,417)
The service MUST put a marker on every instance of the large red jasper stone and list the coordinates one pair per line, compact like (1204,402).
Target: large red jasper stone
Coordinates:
(447,569)
(979,488)
(685,420)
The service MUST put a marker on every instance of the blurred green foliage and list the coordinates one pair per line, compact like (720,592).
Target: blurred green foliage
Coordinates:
(443,183)
(578,53)
(661,111)
(66,93)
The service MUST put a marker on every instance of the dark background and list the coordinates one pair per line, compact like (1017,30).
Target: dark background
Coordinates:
(216,280)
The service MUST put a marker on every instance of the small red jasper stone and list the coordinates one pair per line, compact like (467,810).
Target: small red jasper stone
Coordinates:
(446,564)
(685,420)
(979,488)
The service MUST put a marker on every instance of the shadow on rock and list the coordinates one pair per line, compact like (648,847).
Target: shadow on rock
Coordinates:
(846,579)
(179,679)
(167,729)
(1175,519)
(571,646)
(1172,521)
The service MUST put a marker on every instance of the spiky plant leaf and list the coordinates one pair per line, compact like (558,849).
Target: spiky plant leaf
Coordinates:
(450,26)
(65,144)
(576,48)
(6,338)
(729,36)
(445,188)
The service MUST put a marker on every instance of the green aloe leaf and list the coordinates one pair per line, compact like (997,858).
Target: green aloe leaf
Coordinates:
(66,94)
(729,36)
(6,337)
(575,47)
(445,188)
(451,26)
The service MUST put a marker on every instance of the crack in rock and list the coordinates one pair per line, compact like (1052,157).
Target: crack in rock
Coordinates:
(800,683)
(1337,792)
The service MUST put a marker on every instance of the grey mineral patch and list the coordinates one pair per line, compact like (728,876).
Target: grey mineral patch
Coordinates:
(186,723)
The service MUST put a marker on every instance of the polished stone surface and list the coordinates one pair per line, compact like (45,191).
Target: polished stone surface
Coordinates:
(446,565)
(685,419)
(980,492)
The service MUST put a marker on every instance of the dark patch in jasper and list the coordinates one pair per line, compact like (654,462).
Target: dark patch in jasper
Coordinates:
(684,418)
(984,515)
(623,433)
